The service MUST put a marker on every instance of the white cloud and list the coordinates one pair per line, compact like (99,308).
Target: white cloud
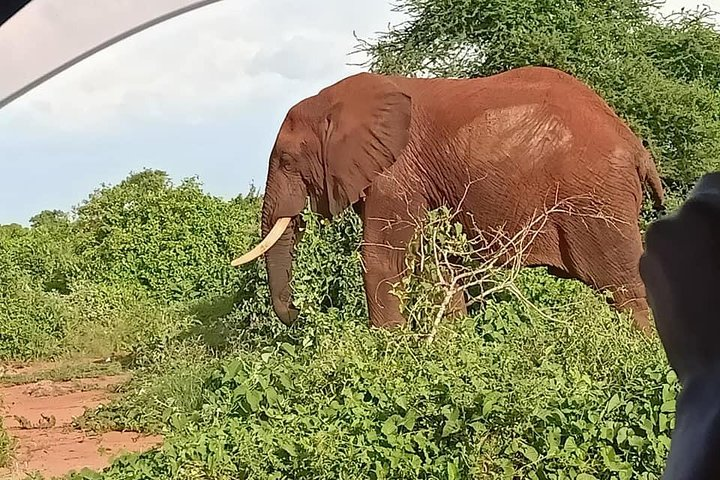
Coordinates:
(232,56)
(228,72)
(290,58)
(236,54)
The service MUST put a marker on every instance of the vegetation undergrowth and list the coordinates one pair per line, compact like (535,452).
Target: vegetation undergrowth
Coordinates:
(503,394)
(557,390)
(6,445)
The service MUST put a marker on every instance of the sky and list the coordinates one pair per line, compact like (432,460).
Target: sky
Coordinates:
(200,95)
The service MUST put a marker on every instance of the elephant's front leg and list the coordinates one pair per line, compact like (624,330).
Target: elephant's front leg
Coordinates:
(384,266)
(384,251)
(389,225)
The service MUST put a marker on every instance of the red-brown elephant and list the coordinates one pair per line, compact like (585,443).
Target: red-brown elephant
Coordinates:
(393,147)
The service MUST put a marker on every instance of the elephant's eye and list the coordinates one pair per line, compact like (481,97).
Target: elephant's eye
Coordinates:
(287,162)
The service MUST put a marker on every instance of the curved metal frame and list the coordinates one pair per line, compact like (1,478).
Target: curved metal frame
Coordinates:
(17,94)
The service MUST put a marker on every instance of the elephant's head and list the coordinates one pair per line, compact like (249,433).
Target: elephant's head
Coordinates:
(330,148)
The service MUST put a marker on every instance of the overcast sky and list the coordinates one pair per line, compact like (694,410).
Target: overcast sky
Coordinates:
(202,94)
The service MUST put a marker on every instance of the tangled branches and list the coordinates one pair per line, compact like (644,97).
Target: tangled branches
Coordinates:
(447,261)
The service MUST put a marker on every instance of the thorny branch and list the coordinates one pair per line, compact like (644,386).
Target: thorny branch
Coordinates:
(458,260)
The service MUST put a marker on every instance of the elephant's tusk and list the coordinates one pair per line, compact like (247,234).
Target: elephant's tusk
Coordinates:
(265,244)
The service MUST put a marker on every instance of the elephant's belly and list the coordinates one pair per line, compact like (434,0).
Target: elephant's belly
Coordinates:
(508,232)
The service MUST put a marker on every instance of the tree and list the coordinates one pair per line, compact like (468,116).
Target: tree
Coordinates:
(174,240)
(662,75)
(49,218)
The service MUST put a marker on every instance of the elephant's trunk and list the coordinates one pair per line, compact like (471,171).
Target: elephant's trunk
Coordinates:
(283,203)
(278,262)
(278,244)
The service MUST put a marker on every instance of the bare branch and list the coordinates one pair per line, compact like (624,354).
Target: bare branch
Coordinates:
(448,257)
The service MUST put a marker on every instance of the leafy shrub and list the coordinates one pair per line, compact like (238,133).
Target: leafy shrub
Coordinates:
(557,390)
(140,259)
(327,273)
(118,319)
(43,254)
(93,320)
(32,322)
(507,394)
(174,241)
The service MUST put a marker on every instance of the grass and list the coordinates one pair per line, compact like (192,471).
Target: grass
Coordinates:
(6,446)
(66,370)
(171,384)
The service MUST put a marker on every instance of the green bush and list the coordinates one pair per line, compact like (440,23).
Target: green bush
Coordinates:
(174,241)
(43,255)
(91,320)
(507,394)
(534,388)
(137,261)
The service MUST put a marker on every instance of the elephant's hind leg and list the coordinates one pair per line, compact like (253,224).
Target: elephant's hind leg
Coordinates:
(606,257)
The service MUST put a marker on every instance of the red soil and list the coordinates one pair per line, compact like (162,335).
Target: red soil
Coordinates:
(52,446)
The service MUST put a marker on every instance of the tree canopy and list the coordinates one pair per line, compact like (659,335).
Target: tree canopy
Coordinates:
(661,74)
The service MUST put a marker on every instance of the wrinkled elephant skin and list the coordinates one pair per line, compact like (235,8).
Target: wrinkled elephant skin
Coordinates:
(506,146)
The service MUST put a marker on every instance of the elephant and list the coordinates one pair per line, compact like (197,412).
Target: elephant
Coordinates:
(393,147)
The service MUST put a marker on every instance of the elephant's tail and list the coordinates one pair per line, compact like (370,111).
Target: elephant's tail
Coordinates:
(649,175)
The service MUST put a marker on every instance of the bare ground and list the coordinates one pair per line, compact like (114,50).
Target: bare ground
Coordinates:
(39,417)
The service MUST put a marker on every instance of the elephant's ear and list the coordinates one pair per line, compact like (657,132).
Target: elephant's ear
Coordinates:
(368,127)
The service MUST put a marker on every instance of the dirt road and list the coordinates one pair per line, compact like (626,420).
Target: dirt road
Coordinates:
(38,416)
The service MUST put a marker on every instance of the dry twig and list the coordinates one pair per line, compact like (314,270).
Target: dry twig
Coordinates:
(441,249)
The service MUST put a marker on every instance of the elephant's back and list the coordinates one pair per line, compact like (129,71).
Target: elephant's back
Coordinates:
(535,132)
(455,103)
(536,117)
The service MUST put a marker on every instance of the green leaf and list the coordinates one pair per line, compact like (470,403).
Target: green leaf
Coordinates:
(453,472)
(289,348)
(668,407)
(622,435)
(232,370)
(531,453)
(489,403)
(613,403)
(271,395)
(409,420)
(253,398)
(285,380)
(636,441)
(289,448)
(389,427)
